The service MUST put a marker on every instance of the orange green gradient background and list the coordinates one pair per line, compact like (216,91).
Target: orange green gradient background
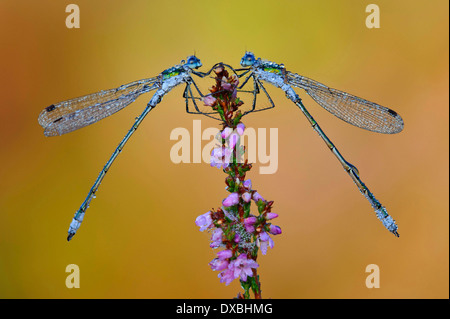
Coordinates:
(139,239)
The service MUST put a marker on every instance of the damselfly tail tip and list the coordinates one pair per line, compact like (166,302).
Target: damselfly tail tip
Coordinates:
(387,220)
(69,237)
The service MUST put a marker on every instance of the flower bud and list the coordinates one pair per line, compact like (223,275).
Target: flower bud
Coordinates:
(270,216)
(257,197)
(250,220)
(226,132)
(240,128)
(218,264)
(233,139)
(231,200)
(209,100)
(247,184)
(246,197)
(249,228)
(224,254)
(274,230)
(225,85)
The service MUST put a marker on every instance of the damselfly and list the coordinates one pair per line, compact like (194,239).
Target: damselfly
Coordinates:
(70,115)
(347,107)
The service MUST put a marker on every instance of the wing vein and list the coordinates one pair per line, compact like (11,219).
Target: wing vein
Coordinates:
(73,114)
(349,108)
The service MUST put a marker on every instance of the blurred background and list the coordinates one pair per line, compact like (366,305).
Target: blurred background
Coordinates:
(139,239)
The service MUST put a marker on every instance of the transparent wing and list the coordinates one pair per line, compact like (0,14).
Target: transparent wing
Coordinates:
(70,115)
(350,108)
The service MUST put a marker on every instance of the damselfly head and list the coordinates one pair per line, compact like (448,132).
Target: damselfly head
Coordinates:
(248,59)
(193,62)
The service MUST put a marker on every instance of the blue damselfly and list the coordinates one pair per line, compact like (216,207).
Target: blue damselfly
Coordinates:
(354,110)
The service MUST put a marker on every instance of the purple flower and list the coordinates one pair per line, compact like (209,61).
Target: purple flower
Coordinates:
(226,276)
(240,128)
(246,197)
(248,184)
(257,197)
(216,238)
(204,221)
(209,100)
(274,230)
(220,157)
(224,254)
(218,264)
(231,200)
(242,267)
(264,236)
(263,241)
(237,238)
(216,157)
